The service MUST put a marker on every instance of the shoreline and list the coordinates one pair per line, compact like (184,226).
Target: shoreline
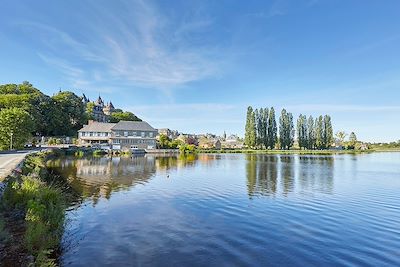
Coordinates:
(291,152)
(32,213)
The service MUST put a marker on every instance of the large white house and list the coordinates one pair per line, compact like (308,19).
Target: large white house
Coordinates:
(123,135)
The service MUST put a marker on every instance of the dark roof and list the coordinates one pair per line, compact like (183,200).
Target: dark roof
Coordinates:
(133,126)
(97,127)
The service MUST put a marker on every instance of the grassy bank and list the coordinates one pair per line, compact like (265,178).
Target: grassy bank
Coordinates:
(40,200)
(285,152)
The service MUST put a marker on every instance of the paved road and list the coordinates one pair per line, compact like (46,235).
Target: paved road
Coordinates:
(9,161)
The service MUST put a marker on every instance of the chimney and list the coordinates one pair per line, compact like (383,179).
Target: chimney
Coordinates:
(90,122)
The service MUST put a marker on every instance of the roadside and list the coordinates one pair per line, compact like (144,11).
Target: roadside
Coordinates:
(10,160)
(32,212)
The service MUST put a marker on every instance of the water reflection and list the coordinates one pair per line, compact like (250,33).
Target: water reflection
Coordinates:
(97,177)
(316,173)
(265,172)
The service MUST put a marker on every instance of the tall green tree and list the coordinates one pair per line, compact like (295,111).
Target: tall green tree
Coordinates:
(123,116)
(16,125)
(310,133)
(319,133)
(89,110)
(250,131)
(286,130)
(265,127)
(328,132)
(302,131)
(30,99)
(70,115)
(259,122)
(258,126)
(352,140)
(272,129)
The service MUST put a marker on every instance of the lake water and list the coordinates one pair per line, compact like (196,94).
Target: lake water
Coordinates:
(234,210)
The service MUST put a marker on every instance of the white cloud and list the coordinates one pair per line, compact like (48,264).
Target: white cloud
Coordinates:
(341,108)
(140,48)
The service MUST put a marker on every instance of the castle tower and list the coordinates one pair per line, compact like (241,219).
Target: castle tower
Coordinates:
(109,109)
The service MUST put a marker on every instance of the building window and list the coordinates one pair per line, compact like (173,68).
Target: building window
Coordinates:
(116,141)
(143,134)
(151,134)
(134,133)
(90,134)
(125,134)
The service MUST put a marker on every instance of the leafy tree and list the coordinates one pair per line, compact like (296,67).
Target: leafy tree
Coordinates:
(328,132)
(16,123)
(70,115)
(311,135)
(319,133)
(341,136)
(30,99)
(302,131)
(89,110)
(250,131)
(259,126)
(123,116)
(272,129)
(286,130)
(163,141)
(352,140)
(265,127)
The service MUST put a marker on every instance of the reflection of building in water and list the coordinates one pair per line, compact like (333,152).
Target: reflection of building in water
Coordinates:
(265,172)
(99,177)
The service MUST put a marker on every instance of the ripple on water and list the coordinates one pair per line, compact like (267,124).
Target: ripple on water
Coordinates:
(239,210)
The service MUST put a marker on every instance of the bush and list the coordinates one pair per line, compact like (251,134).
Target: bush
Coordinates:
(43,204)
(187,149)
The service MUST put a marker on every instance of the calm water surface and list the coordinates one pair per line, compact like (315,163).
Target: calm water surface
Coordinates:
(234,210)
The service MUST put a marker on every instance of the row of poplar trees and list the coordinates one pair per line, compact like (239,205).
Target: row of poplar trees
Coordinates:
(262,130)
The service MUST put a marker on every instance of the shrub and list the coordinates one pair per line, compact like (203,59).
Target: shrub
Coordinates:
(43,204)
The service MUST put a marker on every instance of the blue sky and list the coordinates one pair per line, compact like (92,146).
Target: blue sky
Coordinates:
(195,66)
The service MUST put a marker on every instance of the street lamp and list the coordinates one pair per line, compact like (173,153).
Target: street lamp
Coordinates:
(11,143)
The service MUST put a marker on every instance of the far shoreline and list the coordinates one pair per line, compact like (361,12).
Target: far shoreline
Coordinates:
(292,152)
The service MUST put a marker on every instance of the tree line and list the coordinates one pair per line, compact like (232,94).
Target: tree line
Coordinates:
(261,130)
(26,111)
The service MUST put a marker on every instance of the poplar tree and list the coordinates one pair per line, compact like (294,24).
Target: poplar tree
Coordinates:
(265,127)
(248,126)
(328,132)
(282,138)
(260,126)
(272,129)
(286,130)
(290,131)
(310,133)
(302,132)
(253,131)
(319,132)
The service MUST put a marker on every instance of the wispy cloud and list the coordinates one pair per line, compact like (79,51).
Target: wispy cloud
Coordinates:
(341,108)
(209,107)
(142,48)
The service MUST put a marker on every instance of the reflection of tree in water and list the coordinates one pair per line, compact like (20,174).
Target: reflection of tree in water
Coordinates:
(95,177)
(287,173)
(316,173)
(99,177)
(261,171)
(251,174)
